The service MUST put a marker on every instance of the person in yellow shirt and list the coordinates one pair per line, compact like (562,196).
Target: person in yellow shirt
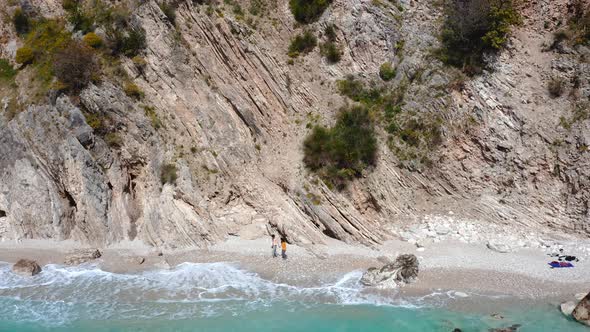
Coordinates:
(284,248)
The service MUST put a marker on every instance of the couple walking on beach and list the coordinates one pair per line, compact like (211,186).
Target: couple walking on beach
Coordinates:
(275,246)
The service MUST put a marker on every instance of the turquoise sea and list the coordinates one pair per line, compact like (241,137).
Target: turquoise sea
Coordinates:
(222,297)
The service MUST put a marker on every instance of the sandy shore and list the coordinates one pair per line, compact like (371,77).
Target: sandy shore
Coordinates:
(446,266)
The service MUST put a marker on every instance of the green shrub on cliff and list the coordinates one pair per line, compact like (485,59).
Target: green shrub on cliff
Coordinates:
(21,21)
(75,66)
(473,28)
(302,44)
(24,55)
(555,87)
(387,72)
(129,42)
(80,19)
(123,34)
(132,90)
(308,11)
(168,174)
(342,152)
(356,90)
(93,40)
(579,22)
(7,73)
(412,135)
(113,140)
(169,11)
(331,52)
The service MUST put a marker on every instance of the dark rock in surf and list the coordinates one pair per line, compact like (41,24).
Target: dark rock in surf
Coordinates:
(403,270)
(26,267)
(512,328)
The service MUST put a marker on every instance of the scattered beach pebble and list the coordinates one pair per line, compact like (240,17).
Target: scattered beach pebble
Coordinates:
(461,294)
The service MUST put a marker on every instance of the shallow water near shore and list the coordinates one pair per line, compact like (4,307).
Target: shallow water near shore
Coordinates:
(222,297)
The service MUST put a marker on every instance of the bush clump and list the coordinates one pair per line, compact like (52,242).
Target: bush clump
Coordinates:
(129,42)
(44,39)
(132,90)
(387,72)
(168,174)
(330,49)
(47,36)
(150,112)
(331,52)
(302,44)
(79,19)
(340,153)
(355,90)
(25,55)
(21,22)
(473,28)
(555,87)
(113,140)
(330,32)
(139,62)
(123,35)
(308,11)
(75,66)
(93,40)
(579,22)
(169,11)
(257,7)
(412,136)
(7,73)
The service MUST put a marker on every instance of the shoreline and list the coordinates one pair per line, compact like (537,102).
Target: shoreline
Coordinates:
(445,266)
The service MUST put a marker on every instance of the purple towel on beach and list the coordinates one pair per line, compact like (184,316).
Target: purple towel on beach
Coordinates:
(555,264)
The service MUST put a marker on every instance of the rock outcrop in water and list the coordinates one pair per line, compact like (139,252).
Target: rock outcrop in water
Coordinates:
(226,110)
(26,267)
(582,311)
(402,271)
(512,328)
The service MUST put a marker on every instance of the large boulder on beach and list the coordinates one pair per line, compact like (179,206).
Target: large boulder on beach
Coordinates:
(567,308)
(499,246)
(82,256)
(26,267)
(403,270)
(582,311)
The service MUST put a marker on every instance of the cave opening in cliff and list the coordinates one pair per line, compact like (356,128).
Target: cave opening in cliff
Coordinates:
(329,233)
(70,199)
(2,213)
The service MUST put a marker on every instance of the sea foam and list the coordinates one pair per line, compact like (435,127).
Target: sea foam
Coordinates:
(61,294)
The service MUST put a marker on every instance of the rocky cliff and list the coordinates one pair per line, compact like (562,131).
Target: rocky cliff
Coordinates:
(225,110)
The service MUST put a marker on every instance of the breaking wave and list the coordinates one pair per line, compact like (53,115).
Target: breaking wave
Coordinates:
(60,294)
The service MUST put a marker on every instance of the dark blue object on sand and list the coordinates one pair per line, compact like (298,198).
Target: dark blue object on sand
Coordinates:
(555,264)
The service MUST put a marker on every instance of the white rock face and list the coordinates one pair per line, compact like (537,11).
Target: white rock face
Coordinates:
(233,117)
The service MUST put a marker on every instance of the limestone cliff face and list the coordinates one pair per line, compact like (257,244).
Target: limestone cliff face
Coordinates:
(223,105)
